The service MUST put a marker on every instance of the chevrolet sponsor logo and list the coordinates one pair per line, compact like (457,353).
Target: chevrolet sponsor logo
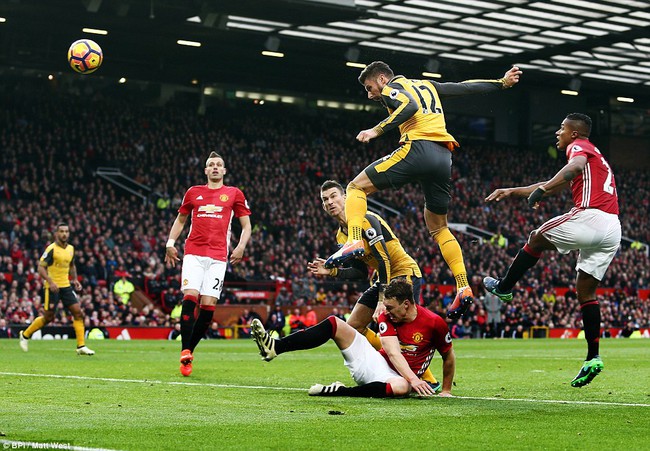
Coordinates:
(408,347)
(210,208)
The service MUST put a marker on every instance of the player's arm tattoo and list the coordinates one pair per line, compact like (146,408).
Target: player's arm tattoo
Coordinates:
(564,176)
(569,174)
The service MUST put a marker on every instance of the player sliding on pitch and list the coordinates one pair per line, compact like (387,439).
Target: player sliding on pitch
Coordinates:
(410,335)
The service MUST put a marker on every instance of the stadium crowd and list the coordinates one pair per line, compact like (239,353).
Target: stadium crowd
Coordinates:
(52,145)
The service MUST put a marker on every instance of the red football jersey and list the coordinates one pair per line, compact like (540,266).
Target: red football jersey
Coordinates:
(595,187)
(418,339)
(212,211)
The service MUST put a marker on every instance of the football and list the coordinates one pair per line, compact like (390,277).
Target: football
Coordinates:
(85,56)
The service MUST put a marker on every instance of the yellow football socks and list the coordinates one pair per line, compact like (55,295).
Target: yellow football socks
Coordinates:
(452,254)
(428,376)
(36,325)
(356,206)
(78,325)
(373,338)
(461,280)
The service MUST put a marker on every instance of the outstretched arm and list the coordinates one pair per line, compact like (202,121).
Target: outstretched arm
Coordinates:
(354,270)
(564,176)
(519,191)
(509,79)
(570,171)
(317,268)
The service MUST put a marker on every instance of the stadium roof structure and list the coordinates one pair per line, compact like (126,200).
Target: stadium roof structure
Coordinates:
(599,44)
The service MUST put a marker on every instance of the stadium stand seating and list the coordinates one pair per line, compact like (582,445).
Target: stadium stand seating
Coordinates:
(52,143)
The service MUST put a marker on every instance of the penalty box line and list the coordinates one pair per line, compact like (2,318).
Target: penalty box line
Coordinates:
(258,387)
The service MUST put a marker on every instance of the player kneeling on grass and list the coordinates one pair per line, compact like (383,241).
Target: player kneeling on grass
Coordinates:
(410,335)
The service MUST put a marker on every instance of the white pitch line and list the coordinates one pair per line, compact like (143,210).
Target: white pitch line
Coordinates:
(15,444)
(148,381)
(258,387)
(557,401)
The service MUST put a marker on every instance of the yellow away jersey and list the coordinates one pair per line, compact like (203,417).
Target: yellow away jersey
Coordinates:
(58,260)
(427,121)
(415,107)
(384,252)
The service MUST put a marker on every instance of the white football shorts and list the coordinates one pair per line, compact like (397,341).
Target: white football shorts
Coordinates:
(365,363)
(203,274)
(596,234)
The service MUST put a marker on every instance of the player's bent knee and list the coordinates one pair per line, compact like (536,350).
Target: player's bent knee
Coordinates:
(539,243)
(209,300)
(361,183)
(357,326)
(191,292)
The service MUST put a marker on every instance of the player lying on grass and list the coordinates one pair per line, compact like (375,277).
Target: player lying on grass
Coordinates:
(410,335)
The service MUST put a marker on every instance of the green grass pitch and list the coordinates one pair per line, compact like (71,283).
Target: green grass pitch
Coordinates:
(510,395)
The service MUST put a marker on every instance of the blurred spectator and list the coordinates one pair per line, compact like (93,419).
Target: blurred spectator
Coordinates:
(175,333)
(488,332)
(171,298)
(213,332)
(175,314)
(276,321)
(297,321)
(336,312)
(245,320)
(96,332)
(283,298)
(498,239)
(519,332)
(627,331)
(274,326)
(310,317)
(493,306)
(458,329)
(5,332)
(123,287)
(116,230)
